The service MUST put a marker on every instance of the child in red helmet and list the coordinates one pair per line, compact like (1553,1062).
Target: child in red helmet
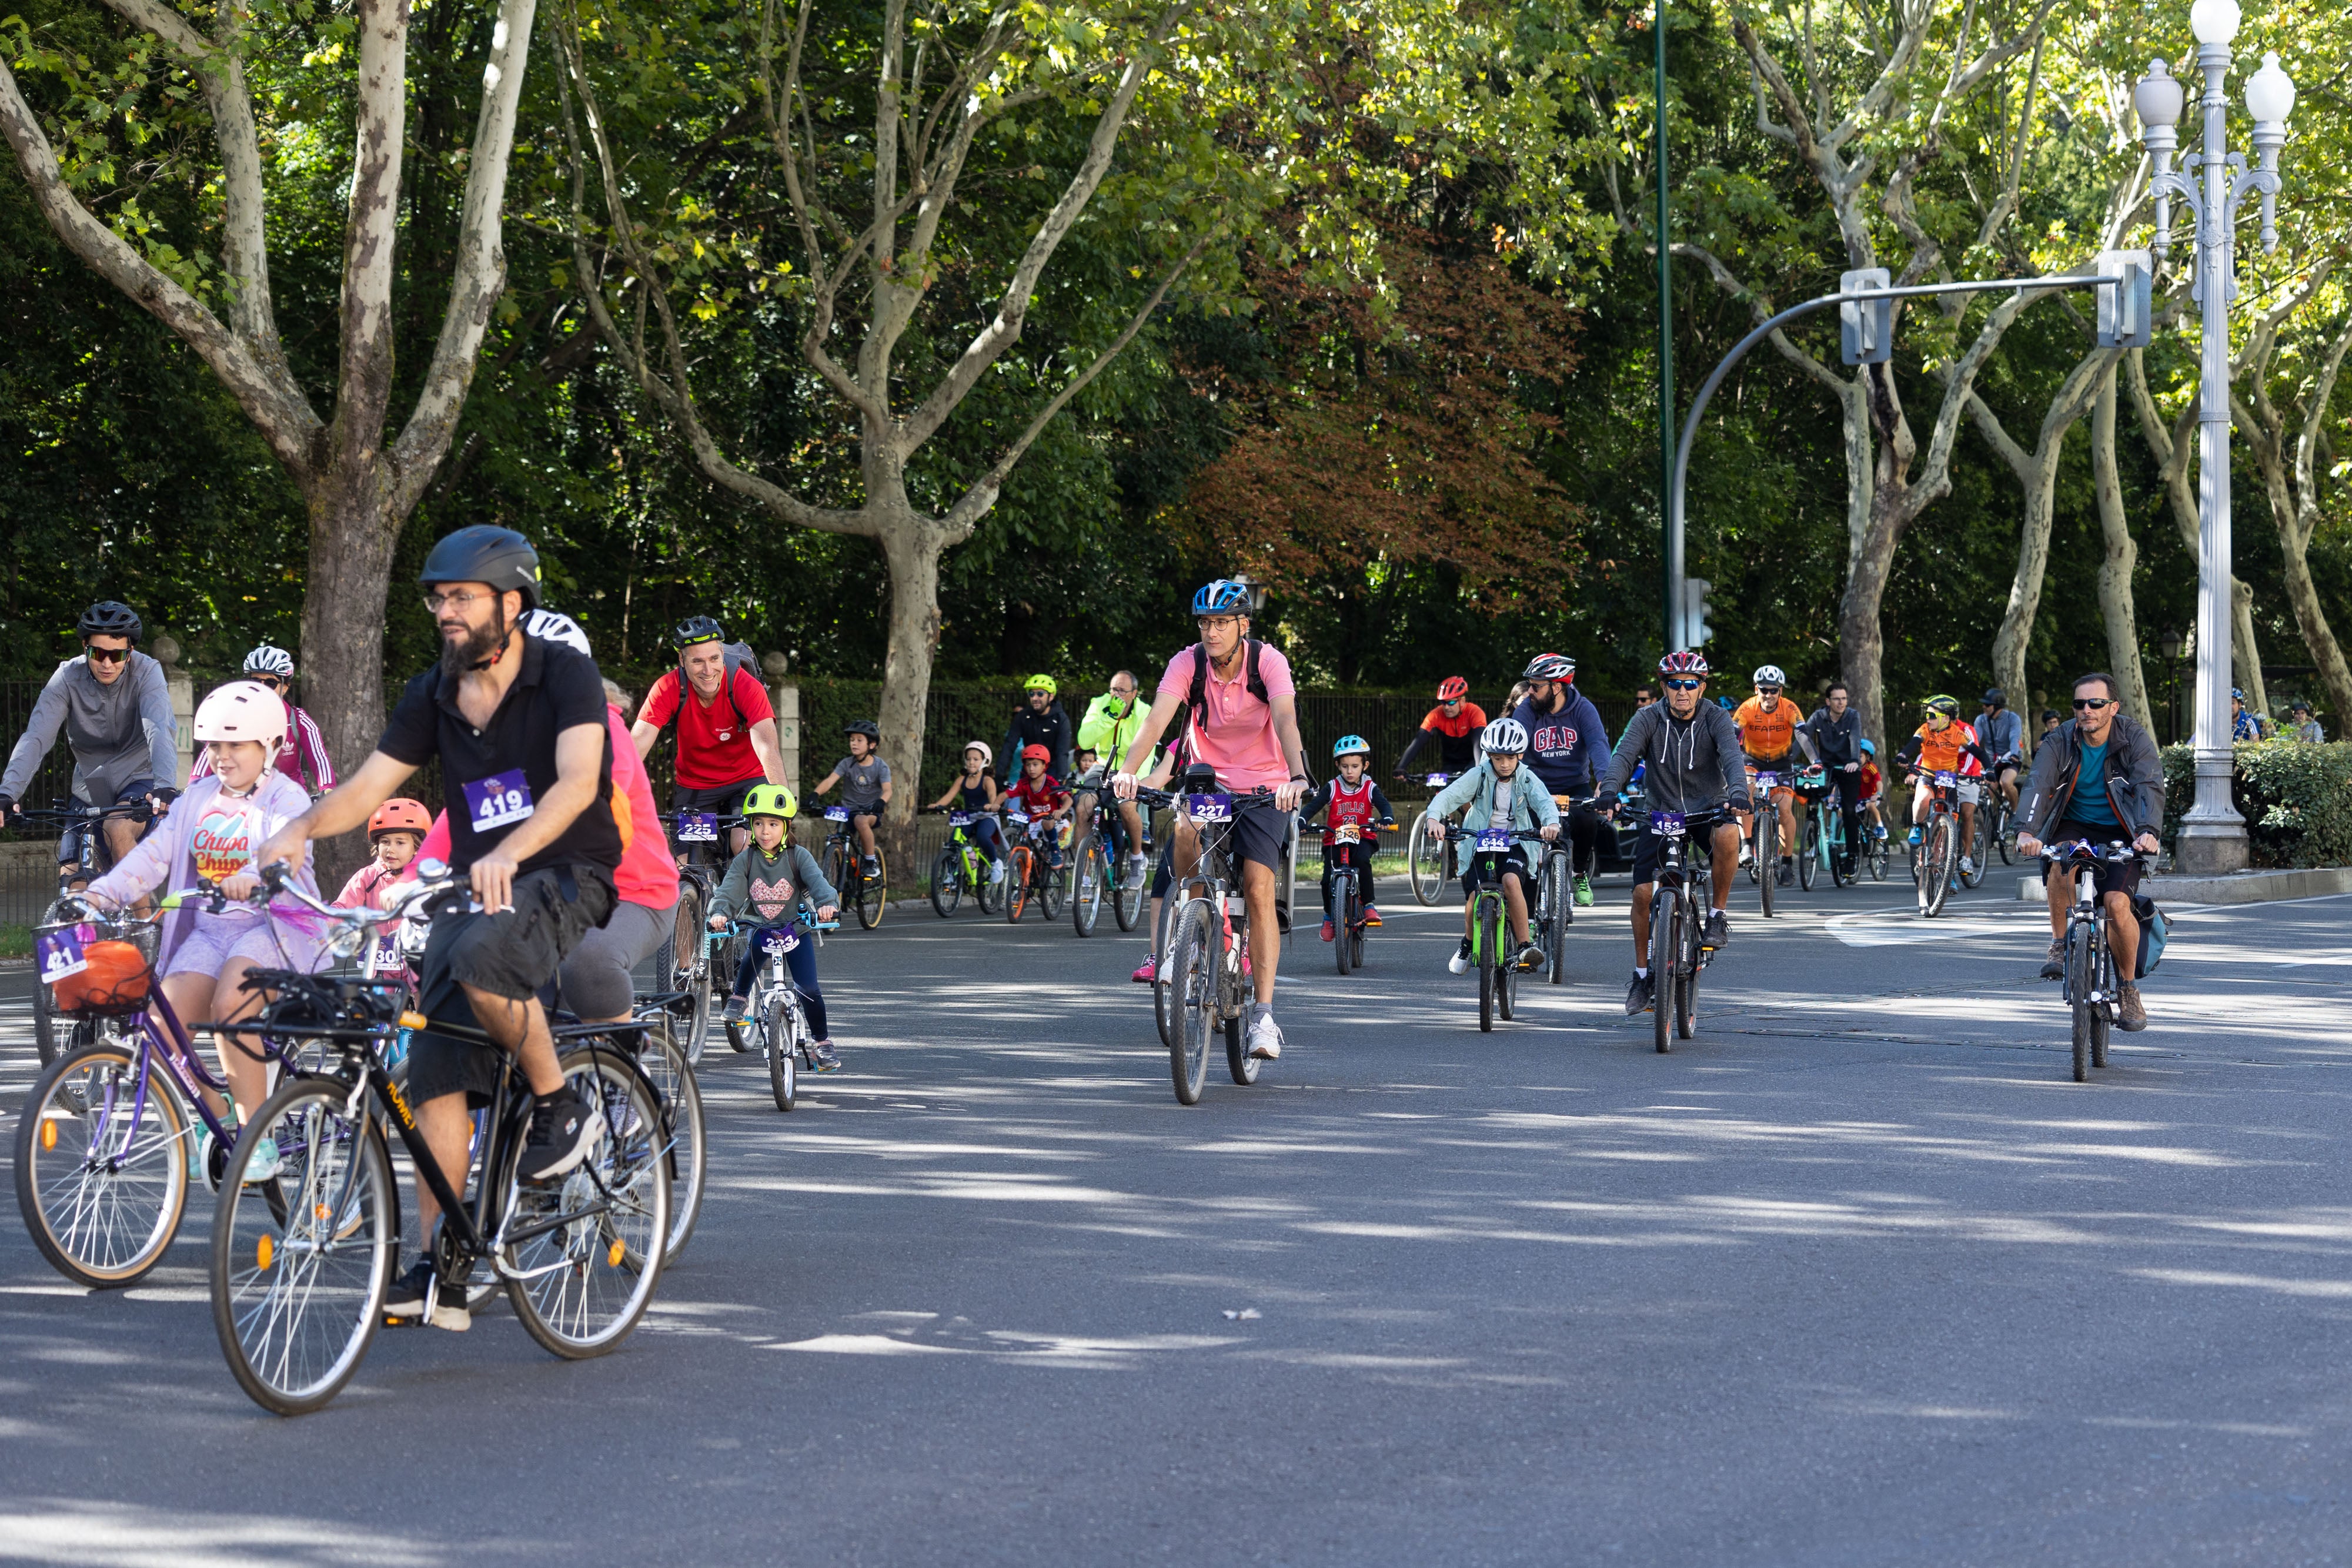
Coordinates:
(395,830)
(1040,795)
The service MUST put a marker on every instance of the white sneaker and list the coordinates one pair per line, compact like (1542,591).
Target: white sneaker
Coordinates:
(1264,1037)
(1136,869)
(1460,963)
(1967,866)
(996,871)
(1744,854)
(1167,967)
(1085,886)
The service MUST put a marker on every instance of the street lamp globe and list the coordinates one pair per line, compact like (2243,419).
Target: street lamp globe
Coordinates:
(2270,93)
(2215,21)
(2158,97)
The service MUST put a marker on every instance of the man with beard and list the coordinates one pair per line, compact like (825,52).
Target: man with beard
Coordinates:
(518,727)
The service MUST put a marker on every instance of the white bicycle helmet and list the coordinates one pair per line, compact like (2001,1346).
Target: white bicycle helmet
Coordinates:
(243,710)
(1770,675)
(987,754)
(554,626)
(1503,738)
(268,660)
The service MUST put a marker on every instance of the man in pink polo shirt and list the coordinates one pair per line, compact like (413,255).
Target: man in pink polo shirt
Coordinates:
(1245,726)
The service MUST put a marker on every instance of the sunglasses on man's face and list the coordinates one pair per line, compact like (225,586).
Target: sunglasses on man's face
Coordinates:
(1767,691)
(1683,685)
(2094,704)
(106,656)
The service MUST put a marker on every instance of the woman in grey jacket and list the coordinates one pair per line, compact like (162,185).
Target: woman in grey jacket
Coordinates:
(1501,793)
(2098,778)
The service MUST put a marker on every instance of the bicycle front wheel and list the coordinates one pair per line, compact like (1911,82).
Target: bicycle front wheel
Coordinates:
(1937,865)
(300,1263)
(1765,865)
(783,1054)
(1488,925)
(1192,1005)
(1424,860)
(873,892)
(690,967)
(1665,951)
(587,1247)
(1809,852)
(947,882)
(1024,861)
(1559,897)
(1086,903)
(102,1160)
(1128,895)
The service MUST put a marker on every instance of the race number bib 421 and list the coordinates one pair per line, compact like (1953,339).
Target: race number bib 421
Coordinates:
(500,798)
(59,952)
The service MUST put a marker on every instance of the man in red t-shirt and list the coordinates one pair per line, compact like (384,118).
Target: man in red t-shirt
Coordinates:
(726,730)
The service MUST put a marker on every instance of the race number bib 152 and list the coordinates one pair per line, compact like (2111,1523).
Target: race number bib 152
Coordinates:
(500,798)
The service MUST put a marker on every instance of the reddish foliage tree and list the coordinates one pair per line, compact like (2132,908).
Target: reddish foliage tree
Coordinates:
(1398,439)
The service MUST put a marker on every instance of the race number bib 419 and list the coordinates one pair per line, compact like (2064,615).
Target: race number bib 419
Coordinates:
(495,802)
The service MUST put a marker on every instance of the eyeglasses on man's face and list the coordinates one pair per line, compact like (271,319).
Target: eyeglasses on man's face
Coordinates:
(460,602)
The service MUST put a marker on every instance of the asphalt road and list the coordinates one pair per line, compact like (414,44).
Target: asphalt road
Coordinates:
(1858,1276)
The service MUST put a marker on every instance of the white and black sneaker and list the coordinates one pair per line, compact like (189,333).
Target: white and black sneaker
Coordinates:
(1638,996)
(564,1131)
(406,1300)
(1460,963)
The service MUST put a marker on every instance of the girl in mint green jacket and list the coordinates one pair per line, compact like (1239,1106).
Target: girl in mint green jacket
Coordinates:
(1500,792)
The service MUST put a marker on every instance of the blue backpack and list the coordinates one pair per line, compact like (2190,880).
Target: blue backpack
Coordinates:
(2153,932)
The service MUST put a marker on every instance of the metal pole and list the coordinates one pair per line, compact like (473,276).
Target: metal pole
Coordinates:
(2213,836)
(1670,526)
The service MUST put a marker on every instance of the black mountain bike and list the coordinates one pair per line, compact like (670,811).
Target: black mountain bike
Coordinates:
(1677,920)
(844,867)
(2091,987)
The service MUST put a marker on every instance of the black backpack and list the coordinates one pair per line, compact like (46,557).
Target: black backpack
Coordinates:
(739,657)
(1201,674)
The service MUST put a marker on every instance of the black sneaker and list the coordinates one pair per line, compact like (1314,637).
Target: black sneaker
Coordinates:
(405,1301)
(2054,968)
(1717,931)
(826,1059)
(1531,958)
(1638,996)
(1788,873)
(563,1131)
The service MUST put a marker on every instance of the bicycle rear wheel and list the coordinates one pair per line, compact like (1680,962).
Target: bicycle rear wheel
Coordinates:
(947,882)
(874,892)
(1163,937)
(590,1243)
(1767,875)
(300,1263)
(102,1189)
(1086,902)
(2001,840)
(1054,890)
(1665,951)
(1809,852)
(689,1150)
(1488,927)
(690,967)
(1686,980)
(1192,1007)
(1977,848)
(1126,900)
(1937,864)
(1240,1065)
(1559,900)
(1424,861)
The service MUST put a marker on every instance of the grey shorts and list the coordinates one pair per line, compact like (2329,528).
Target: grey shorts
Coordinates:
(595,980)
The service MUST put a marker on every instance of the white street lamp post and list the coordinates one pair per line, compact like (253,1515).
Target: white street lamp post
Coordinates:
(2213,836)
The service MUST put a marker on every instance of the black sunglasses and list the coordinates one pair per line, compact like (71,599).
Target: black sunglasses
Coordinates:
(2094,704)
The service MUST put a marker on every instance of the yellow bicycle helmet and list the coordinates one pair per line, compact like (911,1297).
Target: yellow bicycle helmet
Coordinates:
(770,800)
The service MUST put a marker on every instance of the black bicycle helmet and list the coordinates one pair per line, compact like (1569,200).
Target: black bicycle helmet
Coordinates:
(498,557)
(109,618)
(697,629)
(865,727)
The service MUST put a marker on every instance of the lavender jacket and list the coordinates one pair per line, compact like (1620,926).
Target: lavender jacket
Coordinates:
(165,860)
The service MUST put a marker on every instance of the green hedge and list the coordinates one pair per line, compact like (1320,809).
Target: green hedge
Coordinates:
(2296,800)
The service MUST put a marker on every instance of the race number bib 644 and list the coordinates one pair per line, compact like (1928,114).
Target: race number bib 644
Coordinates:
(500,798)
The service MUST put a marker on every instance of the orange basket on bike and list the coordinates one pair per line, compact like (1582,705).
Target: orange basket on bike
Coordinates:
(108,965)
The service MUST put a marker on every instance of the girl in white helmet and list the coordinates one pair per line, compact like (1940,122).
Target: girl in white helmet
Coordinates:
(1500,794)
(212,832)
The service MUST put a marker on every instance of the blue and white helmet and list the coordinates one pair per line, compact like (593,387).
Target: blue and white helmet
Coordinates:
(1226,596)
(1352,745)
(554,626)
(1503,738)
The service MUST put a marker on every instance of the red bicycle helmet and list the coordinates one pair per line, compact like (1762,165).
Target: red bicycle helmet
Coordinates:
(1035,753)
(1687,661)
(1452,688)
(400,815)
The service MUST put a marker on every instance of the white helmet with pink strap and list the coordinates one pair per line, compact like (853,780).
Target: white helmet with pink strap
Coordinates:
(243,710)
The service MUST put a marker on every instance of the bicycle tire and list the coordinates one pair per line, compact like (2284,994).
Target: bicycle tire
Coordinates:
(2001,840)
(1086,907)
(1483,924)
(1127,901)
(1974,850)
(1192,977)
(1665,947)
(946,882)
(689,968)
(1506,980)
(584,1288)
(783,1055)
(1020,865)
(71,1166)
(1343,914)
(2103,973)
(874,892)
(1767,877)
(1809,852)
(989,891)
(1940,861)
(689,1146)
(1164,935)
(1687,981)
(1559,894)
(293,1336)
(1240,1065)
(1052,891)
(1423,860)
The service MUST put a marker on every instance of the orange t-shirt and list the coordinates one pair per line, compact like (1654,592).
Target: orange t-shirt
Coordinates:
(1472,717)
(1767,735)
(1939,751)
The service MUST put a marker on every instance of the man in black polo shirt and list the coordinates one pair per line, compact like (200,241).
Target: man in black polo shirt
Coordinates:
(517,723)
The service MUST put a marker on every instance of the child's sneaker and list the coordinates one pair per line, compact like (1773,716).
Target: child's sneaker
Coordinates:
(827,1060)
(739,1010)
(1371,915)
(1142,976)
(1327,930)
